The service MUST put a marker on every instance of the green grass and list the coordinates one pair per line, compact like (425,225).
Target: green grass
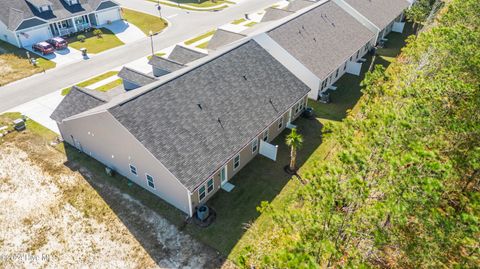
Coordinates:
(201,3)
(250,24)
(91,81)
(14,63)
(200,37)
(238,21)
(160,54)
(145,22)
(110,85)
(95,44)
(203,45)
(32,126)
(190,7)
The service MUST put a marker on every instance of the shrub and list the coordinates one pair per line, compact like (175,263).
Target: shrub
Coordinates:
(81,38)
(98,32)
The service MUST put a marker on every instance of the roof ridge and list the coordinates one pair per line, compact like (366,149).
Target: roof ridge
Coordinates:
(165,59)
(90,93)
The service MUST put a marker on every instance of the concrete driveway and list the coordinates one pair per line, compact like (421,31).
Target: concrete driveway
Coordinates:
(125,31)
(60,57)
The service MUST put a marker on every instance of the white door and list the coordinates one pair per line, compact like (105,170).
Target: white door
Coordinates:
(109,15)
(223,175)
(30,37)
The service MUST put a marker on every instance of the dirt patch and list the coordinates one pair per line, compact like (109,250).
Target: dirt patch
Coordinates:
(52,217)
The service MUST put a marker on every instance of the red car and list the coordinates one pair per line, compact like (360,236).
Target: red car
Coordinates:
(43,47)
(58,43)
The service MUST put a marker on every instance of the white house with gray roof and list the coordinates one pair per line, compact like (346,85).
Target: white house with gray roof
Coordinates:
(26,22)
(184,137)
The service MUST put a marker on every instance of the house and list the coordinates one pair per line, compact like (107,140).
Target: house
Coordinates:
(273,13)
(184,55)
(297,5)
(319,44)
(223,37)
(133,79)
(26,22)
(385,16)
(162,66)
(185,136)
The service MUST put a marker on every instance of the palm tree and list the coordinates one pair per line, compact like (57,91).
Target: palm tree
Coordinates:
(294,140)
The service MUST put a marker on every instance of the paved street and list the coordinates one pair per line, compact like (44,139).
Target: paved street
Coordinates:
(183,25)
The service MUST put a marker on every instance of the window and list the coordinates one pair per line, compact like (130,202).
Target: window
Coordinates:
(358,52)
(210,185)
(254,145)
(280,123)
(236,162)
(201,193)
(150,181)
(345,66)
(265,135)
(336,73)
(133,169)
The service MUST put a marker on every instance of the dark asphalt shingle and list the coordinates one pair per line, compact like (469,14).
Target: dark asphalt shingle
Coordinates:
(222,38)
(323,38)
(272,14)
(136,77)
(379,12)
(234,91)
(164,64)
(185,55)
(296,5)
(77,101)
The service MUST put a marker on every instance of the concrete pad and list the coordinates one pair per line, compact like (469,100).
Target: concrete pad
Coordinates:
(125,31)
(41,108)
(60,57)
(140,65)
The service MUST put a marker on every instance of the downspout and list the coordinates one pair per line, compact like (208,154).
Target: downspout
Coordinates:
(190,204)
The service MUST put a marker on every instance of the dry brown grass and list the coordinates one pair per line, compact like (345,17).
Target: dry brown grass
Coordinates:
(14,68)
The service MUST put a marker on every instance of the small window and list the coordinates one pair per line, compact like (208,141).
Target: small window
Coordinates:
(336,74)
(358,52)
(265,135)
(201,193)
(210,185)
(133,169)
(150,181)
(254,145)
(344,66)
(236,162)
(280,123)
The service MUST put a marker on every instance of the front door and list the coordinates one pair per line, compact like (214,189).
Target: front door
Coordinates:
(223,175)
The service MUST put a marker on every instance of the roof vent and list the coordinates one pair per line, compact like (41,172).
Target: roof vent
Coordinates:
(314,39)
(245,77)
(220,122)
(200,106)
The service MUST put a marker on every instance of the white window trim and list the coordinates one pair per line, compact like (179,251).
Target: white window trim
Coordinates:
(153,181)
(213,185)
(263,135)
(280,122)
(255,140)
(235,168)
(136,170)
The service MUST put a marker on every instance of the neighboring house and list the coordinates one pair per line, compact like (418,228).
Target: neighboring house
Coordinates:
(26,22)
(133,79)
(273,13)
(184,137)
(384,15)
(162,66)
(223,37)
(296,5)
(319,44)
(184,55)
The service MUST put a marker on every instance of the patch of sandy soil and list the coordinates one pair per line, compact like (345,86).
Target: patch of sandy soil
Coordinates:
(50,217)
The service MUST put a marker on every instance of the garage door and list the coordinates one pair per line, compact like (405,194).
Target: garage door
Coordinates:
(28,38)
(109,15)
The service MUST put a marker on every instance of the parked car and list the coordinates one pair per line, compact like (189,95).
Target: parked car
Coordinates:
(43,47)
(58,43)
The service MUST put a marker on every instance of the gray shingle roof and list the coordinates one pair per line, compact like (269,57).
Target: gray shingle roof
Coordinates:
(296,5)
(12,12)
(379,12)
(185,55)
(234,91)
(164,64)
(39,3)
(222,38)
(322,38)
(135,76)
(77,101)
(275,14)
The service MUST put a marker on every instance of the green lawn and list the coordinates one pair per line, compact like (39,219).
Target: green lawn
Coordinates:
(250,24)
(110,85)
(160,54)
(145,22)
(200,37)
(203,45)
(91,81)
(32,126)
(95,44)
(238,21)
(14,63)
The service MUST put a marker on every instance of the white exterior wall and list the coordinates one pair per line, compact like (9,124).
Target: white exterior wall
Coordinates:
(292,64)
(101,136)
(7,35)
